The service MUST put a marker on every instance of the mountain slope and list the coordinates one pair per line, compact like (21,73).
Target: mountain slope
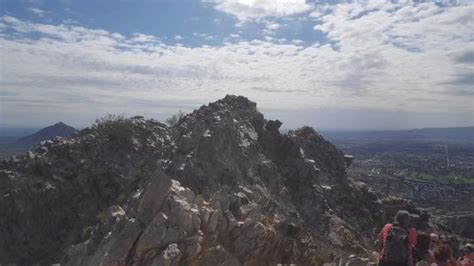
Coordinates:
(221,187)
(59,129)
(10,146)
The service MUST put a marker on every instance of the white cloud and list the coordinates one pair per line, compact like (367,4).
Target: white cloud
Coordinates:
(204,35)
(407,47)
(270,28)
(178,37)
(143,38)
(297,42)
(246,10)
(273,26)
(268,38)
(381,59)
(37,11)
(70,21)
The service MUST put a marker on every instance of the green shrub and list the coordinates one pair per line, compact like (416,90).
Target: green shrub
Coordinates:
(38,166)
(455,179)
(121,198)
(137,173)
(118,129)
(380,220)
(101,216)
(87,232)
(174,119)
(452,178)
(320,256)
(253,107)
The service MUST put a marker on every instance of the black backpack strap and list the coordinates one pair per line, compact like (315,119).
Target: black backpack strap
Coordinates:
(397,225)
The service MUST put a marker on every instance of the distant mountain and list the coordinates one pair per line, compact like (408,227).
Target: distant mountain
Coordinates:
(11,145)
(59,129)
(456,134)
(17,132)
(449,133)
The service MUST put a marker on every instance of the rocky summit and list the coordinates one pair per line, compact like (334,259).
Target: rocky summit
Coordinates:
(222,186)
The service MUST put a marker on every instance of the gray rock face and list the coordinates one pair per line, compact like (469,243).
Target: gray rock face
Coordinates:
(461,224)
(221,187)
(58,195)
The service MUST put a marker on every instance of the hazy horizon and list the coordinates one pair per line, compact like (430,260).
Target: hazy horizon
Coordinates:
(285,126)
(333,65)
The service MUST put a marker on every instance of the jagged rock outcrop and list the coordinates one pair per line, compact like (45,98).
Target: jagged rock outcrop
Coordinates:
(221,187)
(51,198)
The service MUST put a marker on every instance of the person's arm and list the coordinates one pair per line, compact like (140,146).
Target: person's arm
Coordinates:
(412,236)
(383,233)
(379,241)
(381,237)
(451,261)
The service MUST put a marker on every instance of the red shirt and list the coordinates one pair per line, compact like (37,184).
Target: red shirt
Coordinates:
(411,241)
(467,262)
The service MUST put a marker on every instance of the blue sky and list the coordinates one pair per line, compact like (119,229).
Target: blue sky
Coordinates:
(190,23)
(332,65)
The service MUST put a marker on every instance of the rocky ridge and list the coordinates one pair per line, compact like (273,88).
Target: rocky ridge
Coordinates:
(221,187)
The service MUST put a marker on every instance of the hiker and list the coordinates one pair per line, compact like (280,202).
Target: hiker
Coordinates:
(468,258)
(422,255)
(434,241)
(396,242)
(444,256)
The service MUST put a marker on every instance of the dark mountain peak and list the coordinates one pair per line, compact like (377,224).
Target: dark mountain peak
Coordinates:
(304,132)
(230,104)
(59,129)
(231,117)
(237,102)
(60,124)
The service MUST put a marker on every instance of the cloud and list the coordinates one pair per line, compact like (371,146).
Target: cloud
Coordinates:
(297,42)
(466,57)
(273,26)
(70,21)
(8,93)
(178,37)
(204,36)
(143,38)
(88,72)
(409,46)
(270,28)
(245,10)
(464,79)
(37,11)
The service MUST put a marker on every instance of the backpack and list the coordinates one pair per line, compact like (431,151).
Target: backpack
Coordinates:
(396,245)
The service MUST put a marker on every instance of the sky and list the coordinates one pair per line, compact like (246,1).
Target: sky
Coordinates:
(340,65)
